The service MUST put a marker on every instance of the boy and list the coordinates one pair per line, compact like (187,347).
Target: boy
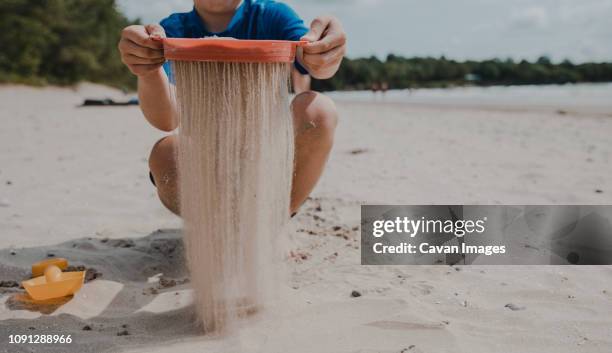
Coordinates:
(314,114)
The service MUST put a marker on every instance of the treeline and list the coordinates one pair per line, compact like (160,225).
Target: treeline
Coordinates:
(62,42)
(67,41)
(397,72)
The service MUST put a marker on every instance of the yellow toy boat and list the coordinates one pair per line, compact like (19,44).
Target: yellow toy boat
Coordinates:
(54,283)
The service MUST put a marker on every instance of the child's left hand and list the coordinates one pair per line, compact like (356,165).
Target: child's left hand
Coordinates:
(323,55)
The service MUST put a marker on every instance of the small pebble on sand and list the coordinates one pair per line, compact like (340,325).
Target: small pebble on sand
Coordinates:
(355,294)
(359,151)
(86,328)
(514,307)
(165,282)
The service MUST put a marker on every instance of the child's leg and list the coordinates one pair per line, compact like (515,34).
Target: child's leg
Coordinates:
(315,119)
(163,169)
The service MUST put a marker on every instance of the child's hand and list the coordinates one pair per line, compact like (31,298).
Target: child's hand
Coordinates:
(323,55)
(140,50)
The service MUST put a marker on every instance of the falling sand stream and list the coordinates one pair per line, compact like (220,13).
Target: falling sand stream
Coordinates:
(235,168)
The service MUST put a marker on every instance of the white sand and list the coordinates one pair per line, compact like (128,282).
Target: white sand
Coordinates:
(168,301)
(82,172)
(91,300)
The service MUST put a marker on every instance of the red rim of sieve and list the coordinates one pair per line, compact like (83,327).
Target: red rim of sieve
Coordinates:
(230,50)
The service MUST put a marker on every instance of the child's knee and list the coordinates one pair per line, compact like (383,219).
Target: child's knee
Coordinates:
(162,154)
(162,164)
(314,110)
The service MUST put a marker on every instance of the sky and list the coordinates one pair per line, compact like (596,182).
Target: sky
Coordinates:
(579,30)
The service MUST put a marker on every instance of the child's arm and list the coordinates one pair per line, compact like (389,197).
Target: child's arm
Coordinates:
(144,56)
(323,55)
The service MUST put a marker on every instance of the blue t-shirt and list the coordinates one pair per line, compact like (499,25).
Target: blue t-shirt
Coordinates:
(254,19)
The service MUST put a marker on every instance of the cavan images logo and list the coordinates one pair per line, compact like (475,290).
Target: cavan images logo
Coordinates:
(411,228)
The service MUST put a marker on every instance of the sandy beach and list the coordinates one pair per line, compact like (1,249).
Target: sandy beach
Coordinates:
(74,183)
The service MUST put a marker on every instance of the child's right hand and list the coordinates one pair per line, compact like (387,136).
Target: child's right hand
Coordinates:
(140,52)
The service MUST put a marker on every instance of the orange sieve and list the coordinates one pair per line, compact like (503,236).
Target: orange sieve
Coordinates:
(230,50)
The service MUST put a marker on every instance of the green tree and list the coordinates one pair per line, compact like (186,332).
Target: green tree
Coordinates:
(62,42)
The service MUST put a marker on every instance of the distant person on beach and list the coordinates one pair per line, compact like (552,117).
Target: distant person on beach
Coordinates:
(314,114)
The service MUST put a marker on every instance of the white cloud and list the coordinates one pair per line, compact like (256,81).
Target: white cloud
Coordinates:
(531,18)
